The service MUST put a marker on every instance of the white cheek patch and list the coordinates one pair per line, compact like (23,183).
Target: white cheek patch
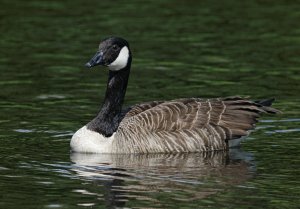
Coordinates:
(121,60)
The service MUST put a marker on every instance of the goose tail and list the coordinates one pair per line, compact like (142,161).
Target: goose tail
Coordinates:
(265,104)
(242,115)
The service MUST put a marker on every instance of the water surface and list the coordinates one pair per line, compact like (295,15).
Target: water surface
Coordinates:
(180,49)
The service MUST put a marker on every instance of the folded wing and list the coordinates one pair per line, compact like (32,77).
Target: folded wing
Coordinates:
(188,125)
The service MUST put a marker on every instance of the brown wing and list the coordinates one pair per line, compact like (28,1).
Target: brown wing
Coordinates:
(189,125)
(136,109)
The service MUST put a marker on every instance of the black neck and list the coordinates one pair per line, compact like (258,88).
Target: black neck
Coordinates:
(109,116)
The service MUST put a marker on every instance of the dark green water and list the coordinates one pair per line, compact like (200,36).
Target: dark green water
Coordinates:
(181,49)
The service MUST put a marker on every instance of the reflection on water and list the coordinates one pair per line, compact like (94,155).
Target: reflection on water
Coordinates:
(183,176)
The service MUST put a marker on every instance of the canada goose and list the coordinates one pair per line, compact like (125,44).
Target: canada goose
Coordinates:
(181,125)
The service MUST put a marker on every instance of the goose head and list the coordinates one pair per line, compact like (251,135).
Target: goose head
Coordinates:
(113,52)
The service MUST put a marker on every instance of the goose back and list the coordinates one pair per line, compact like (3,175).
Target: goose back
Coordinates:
(187,125)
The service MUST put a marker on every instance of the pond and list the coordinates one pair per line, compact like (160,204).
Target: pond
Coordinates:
(180,49)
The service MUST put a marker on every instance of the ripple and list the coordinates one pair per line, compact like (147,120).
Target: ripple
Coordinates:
(51,96)
(3,168)
(23,130)
(284,131)
(54,206)
(281,121)
(86,204)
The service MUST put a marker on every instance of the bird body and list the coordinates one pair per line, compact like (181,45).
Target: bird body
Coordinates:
(181,125)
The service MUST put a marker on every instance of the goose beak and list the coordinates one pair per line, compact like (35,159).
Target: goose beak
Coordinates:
(96,60)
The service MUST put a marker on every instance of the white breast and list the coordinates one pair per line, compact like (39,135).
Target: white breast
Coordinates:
(85,140)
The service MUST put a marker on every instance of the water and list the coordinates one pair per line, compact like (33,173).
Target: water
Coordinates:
(180,49)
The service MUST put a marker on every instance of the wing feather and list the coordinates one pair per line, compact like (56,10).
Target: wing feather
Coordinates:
(189,125)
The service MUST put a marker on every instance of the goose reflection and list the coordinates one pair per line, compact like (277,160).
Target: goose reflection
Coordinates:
(181,176)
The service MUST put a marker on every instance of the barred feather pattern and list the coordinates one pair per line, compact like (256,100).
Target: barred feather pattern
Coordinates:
(187,125)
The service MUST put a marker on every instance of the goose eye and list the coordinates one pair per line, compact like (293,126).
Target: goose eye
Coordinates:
(115,47)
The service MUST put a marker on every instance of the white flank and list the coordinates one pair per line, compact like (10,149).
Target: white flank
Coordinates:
(121,60)
(85,140)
